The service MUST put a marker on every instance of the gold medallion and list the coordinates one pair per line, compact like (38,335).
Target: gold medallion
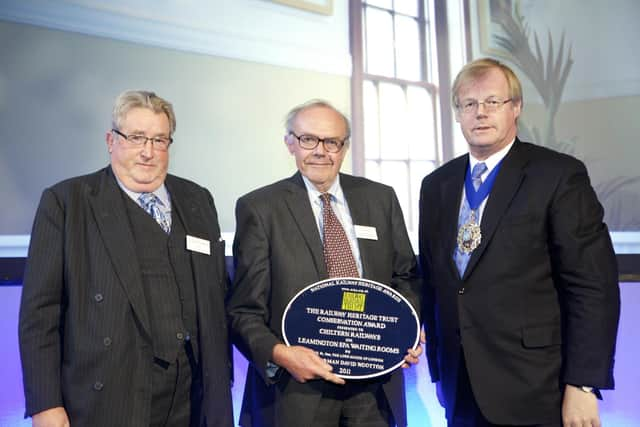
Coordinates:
(469,235)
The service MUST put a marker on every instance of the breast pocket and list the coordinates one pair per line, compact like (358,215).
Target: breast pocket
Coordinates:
(524,231)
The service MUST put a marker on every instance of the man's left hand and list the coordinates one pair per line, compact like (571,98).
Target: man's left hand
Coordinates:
(412,357)
(579,408)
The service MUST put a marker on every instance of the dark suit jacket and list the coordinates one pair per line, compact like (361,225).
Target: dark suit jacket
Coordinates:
(538,305)
(278,251)
(85,336)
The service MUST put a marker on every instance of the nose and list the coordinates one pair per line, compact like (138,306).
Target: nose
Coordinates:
(484,109)
(320,150)
(147,149)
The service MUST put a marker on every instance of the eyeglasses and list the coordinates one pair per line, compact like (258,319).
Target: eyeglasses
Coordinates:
(491,105)
(310,142)
(159,142)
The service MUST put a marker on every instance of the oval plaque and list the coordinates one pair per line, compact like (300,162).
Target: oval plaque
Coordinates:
(360,327)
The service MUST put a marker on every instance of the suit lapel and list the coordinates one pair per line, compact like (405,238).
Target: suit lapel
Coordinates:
(504,189)
(186,208)
(451,196)
(297,201)
(360,215)
(111,217)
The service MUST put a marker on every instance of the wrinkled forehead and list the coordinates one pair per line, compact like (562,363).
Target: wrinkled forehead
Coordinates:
(491,81)
(320,121)
(141,117)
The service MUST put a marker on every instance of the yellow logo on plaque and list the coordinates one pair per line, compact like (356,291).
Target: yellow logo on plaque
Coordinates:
(353,301)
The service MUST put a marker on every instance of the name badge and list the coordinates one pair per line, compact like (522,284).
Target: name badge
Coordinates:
(196,244)
(366,232)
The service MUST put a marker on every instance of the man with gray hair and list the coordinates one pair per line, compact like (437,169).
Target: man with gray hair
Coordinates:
(280,248)
(122,315)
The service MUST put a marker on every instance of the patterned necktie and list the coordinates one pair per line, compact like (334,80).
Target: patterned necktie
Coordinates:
(337,252)
(151,204)
(462,258)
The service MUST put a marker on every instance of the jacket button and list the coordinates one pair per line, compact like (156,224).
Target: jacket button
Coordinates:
(179,336)
(107,342)
(98,386)
(460,291)
(98,297)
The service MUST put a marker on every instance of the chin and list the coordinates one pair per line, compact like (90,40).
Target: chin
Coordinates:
(483,143)
(144,186)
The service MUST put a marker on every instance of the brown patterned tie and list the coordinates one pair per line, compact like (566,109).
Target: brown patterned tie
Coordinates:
(337,252)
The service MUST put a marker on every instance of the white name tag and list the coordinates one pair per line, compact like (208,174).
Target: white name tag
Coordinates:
(366,232)
(196,244)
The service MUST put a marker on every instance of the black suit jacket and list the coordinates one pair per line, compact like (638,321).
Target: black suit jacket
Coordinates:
(278,251)
(538,305)
(85,337)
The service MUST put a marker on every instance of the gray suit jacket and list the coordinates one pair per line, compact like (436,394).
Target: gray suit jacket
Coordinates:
(85,337)
(278,251)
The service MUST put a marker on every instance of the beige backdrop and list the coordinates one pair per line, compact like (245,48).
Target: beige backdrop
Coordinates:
(56,93)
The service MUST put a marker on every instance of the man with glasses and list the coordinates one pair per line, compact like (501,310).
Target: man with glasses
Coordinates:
(521,299)
(280,249)
(122,318)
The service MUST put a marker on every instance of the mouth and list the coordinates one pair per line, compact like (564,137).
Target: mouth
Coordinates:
(482,128)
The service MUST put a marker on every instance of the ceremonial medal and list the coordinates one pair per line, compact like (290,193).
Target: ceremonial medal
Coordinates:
(469,235)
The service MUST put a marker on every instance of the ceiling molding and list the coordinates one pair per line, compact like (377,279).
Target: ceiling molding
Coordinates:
(249,30)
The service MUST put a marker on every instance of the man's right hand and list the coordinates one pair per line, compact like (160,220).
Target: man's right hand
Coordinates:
(304,364)
(54,417)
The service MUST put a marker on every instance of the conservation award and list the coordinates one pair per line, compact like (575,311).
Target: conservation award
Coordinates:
(362,328)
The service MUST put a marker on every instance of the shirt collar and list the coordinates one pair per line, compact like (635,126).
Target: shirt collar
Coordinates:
(335,190)
(492,160)
(160,192)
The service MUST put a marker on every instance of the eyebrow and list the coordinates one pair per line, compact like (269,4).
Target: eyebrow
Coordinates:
(141,132)
(486,97)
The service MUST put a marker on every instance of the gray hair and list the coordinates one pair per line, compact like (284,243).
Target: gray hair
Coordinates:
(131,99)
(293,114)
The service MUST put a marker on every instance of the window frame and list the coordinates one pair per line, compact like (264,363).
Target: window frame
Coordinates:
(438,41)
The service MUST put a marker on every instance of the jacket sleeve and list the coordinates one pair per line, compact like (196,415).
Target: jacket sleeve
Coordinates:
(249,307)
(584,262)
(42,308)
(428,293)
(405,279)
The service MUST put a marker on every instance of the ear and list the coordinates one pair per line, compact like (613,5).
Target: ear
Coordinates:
(288,140)
(457,114)
(110,140)
(517,108)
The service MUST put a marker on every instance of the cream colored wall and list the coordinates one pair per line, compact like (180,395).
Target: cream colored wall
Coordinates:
(56,93)
(603,133)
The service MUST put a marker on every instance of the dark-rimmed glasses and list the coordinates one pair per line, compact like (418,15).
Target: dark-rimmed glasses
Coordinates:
(159,142)
(310,142)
